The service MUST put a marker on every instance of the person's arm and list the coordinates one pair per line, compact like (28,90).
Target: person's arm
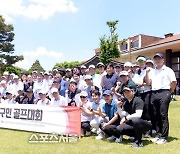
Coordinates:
(147,77)
(137,114)
(111,121)
(86,111)
(173,86)
(103,115)
(102,81)
(94,112)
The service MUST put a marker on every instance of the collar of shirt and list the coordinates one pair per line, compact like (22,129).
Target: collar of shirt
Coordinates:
(57,99)
(162,68)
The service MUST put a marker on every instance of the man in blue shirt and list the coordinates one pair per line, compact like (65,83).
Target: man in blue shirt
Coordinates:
(109,113)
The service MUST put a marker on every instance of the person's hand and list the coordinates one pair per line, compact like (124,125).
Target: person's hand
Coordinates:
(119,103)
(118,84)
(82,109)
(66,91)
(104,125)
(123,120)
(92,88)
(73,104)
(80,104)
(148,70)
(21,98)
(113,90)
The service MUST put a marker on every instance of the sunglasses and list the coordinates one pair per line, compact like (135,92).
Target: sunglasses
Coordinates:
(83,96)
(141,61)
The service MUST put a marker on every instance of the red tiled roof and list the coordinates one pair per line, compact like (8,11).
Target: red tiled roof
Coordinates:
(166,40)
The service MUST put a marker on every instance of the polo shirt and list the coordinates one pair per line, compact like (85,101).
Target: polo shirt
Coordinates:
(139,78)
(109,109)
(45,102)
(84,116)
(110,81)
(162,78)
(129,83)
(95,105)
(135,104)
(59,102)
(27,101)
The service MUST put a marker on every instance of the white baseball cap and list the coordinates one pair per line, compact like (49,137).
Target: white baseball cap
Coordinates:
(87,77)
(91,66)
(83,93)
(54,90)
(128,64)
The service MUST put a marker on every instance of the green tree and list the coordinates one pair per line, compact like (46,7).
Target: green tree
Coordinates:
(13,69)
(6,47)
(36,66)
(67,64)
(109,45)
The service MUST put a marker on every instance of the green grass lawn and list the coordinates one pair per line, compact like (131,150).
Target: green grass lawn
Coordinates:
(13,141)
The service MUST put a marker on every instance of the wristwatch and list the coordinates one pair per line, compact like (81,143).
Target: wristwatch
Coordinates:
(125,118)
(91,110)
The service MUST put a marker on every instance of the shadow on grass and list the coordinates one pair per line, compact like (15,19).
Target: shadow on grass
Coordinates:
(171,138)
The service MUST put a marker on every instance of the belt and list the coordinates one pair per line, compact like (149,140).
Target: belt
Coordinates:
(160,90)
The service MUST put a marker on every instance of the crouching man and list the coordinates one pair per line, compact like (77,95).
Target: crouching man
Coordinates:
(108,111)
(133,122)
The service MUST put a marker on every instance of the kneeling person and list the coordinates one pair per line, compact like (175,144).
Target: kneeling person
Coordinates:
(133,121)
(110,115)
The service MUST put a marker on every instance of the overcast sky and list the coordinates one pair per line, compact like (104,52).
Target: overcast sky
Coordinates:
(55,31)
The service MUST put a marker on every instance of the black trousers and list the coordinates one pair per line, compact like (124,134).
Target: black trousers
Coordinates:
(110,129)
(148,112)
(135,127)
(160,100)
(86,125)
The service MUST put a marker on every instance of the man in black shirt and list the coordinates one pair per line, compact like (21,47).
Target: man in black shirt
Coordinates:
(29,99)
(134,121)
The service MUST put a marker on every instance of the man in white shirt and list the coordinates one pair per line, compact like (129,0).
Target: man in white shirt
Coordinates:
(16,85)
(10,99)
(43,100)
(38,85)
(57,99)
(163,82)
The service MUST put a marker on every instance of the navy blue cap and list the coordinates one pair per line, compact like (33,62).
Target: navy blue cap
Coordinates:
(107,92)
(158,55)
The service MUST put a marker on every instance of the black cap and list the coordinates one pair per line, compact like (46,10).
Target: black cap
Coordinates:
(29,90)
(56,81)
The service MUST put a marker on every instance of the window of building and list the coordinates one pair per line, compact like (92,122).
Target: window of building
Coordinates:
(135,44)
(124,47)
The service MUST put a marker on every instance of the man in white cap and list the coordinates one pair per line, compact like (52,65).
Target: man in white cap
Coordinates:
(43,100)
(128,68)
(10,99)
(90,86)
(83,71)
(86,114)
(150,63)
(57,99)
(144,90)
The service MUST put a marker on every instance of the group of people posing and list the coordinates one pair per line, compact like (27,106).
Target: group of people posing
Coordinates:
(116,101)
